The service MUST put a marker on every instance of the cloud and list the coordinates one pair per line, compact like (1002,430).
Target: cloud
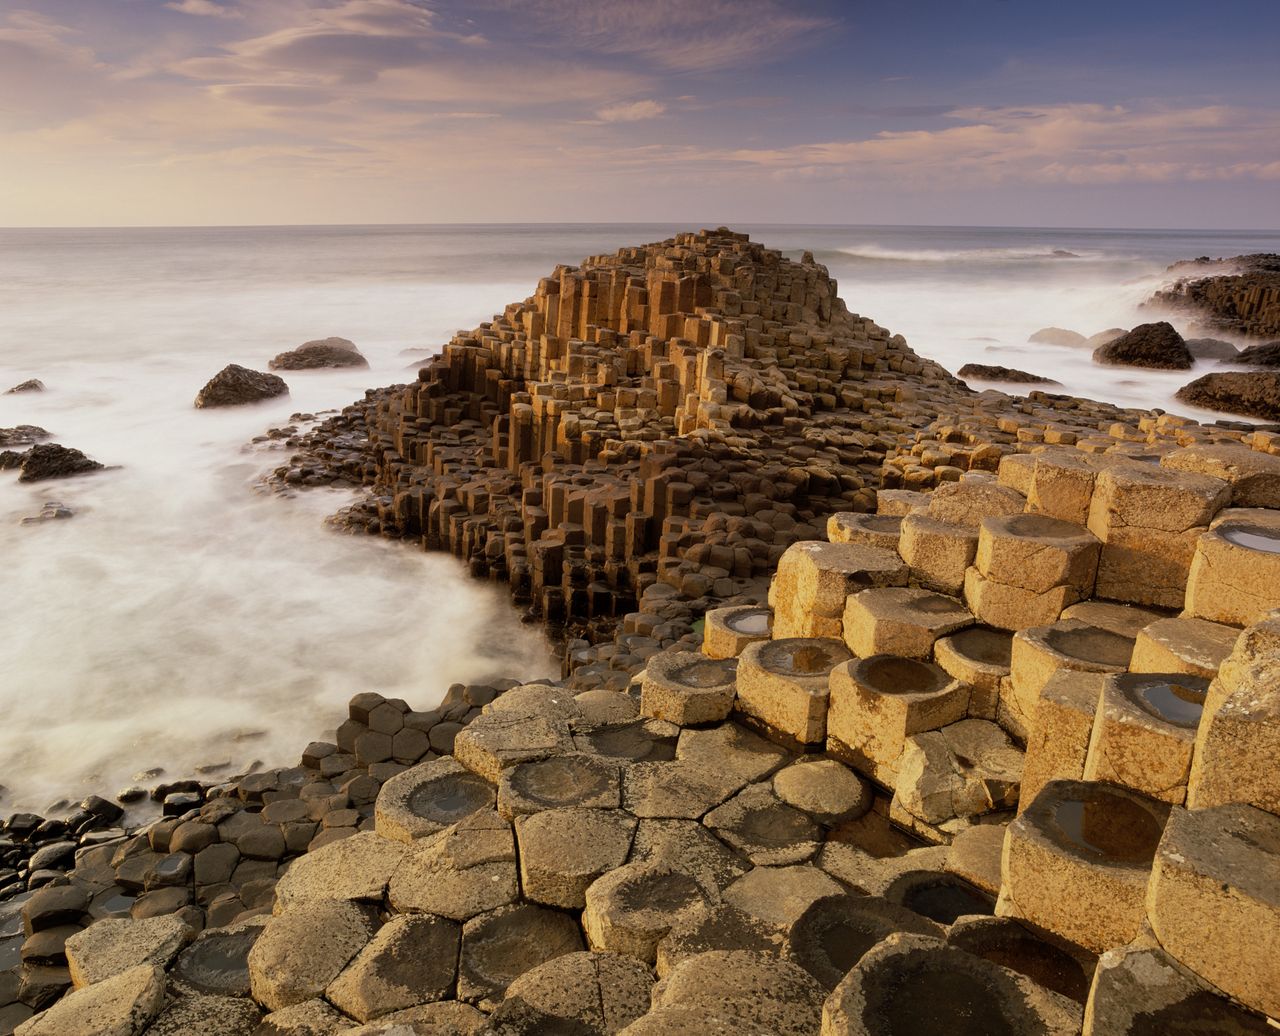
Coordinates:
(204,9)
(635,111)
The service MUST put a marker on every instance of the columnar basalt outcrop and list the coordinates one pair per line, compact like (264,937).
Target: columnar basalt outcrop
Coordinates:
(1238,296)
(999,757)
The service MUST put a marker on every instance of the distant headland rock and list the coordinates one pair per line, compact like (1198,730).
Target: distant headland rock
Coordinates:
(322,352)
(990,372)
(1239,296)
(235,385)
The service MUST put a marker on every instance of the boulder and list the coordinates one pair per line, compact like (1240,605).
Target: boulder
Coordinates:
(1212,349)
(1057,336)
(990,372)
(1267,355)
(235,385)
(30,385)
(123,1005)
(116,944)
(1157,346)
(1106,337)
(321,352)
(49,460)
(22,435)
(584,993)
(1235,392)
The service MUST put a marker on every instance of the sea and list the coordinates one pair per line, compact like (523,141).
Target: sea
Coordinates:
(184,621)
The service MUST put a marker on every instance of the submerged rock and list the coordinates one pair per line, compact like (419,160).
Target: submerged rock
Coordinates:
(322,352)
(1260,355)
(235,385)
(1157,346)
(1057,336)
(30,385)
(1235,392)
(49,460)
(22,435)
(52,511)
(990,372)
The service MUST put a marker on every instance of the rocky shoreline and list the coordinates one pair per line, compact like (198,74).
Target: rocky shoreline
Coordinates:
(886,707)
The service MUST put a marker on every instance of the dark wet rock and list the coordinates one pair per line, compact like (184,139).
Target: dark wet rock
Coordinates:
(10,459)
(1260,355)
(990,372)
(30,385)
(1235,296)
(50,460)
(234,385)
(1157,346)
(22,435)
(1057,336)
(1255,394)
(1212,349)
(322,352)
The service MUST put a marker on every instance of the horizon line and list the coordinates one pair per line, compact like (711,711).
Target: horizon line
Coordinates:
(638,223)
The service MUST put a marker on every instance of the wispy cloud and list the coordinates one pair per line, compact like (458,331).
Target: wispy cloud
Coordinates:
(633,111)
(205,9)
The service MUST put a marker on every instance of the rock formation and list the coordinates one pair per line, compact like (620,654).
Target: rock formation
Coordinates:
(1157,346)
(235,385)
(30,385)
(987,749)
(323,352)
(49,460)
(1256,394)
(1266,355)
(1238,296)
(987,372)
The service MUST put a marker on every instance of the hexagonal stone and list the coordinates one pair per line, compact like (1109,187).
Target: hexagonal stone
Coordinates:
(1140,989)
(1012,945)
(1077,861)
(878,702)
(939,553)
(917,984)
(681,1020)
(446,1018)
(562,851)
(630,909)
(310,1018)
(585,993)
(971,501)
(1254,476)
(113,945)
(304,948)
(766,829)
(733,750)
(1144,732)
(965,769)
(217,961)
(1012,607)
(688,845)
(1242,729)
(1036,553)
(428,798)
(461,872)
(649,740)
(498,739)
(833,933)
(717,926)
(813,579)
(758,988)
(679,788)
(782,686)
(1234,576)
(122,1005)
(1193,646)
(1061,726)
(207,1015)
(1218,871)
(871,530)
(412,960)
(688,688)
(938,895)
(829,792)
(500,946)
(358,867)
(779,895)
(726,631)
(901,621)
(980,657)
(562,780)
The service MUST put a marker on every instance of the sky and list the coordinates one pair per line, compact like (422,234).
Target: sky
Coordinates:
(1128,113)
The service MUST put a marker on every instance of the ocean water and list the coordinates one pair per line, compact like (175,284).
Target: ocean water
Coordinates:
(183,620)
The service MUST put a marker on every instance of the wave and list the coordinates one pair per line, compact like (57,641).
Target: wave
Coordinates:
(877,253)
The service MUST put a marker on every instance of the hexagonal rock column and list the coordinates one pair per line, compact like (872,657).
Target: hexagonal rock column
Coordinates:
(126,1003)
(1214,899)
(918,984)
(115,944)
(687,688)
(563,780)
(829,792)
(1254,476)
(305,948)
(870,530)
(720,927)
(1077,860)
(1235,574)
(1237,745)
(1061,725)
(814,578)
(500,946)
(412,960)
(1193,646)
(1009,943)
(1144,732)
(1061,486)
(1125,620)
(878,702)
(938,553)
(938,895)
(630,909)
(782,686)
(727,631)
(831,936)
(582,992)
(1041,651)
(1148,520)
(900,621)
(461,872)
(1028,569)
(980,657)
(965,769)
(428,798)
(1140,989)
(763,827)
(562,851)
